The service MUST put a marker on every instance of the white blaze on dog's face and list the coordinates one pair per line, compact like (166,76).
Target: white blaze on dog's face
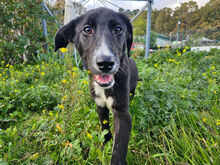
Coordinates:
(105,62)
(102,38)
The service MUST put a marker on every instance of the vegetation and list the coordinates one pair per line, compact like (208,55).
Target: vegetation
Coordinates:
(21,31)
(195,21)
(48,117)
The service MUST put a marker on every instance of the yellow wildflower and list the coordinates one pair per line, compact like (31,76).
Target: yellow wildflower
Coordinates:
(184,50)
(0,74)
(214,92)
(63,98)
(59,128)
(44,111)
(2,62)
(50,113)
(183,96)
(34,126)
(85,82)
(75,68)
(63,50)
(61,106)
(218,122)
(204,74)
(156,65)
(158,47)
(64,81)
(89,135)
(7,65)
(210,80)
(105,122)
(179,54)
(42,73)
(171,60)
(213,67)
(74,74)
(204,119)
(187,47)
(79,91)
(34,156)
(88,72)
(167,46)
(213,72)
(15,90)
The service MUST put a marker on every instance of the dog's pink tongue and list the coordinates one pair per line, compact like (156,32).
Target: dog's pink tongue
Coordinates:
(103,79)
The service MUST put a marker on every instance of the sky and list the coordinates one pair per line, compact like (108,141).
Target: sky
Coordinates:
(158,4)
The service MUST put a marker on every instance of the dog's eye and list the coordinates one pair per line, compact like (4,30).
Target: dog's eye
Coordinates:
(117,30)
(88,29)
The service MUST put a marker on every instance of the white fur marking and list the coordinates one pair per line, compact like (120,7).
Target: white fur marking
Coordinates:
(101,100)
(103,49)
(109,103)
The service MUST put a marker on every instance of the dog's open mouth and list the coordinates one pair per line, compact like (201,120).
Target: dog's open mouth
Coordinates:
(104,80)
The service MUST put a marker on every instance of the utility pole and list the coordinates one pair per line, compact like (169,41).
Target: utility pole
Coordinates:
(44,27)
(148,26)
(178,30)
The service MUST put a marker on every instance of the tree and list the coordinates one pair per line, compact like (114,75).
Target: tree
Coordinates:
(139,25)
(21,31)
(163,23)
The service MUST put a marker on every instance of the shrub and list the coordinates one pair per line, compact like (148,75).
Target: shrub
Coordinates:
(175,112)
(21,32)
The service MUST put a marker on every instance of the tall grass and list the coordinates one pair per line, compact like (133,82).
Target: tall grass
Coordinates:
(48,117)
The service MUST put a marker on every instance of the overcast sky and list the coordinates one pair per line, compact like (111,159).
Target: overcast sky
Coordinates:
(158,4)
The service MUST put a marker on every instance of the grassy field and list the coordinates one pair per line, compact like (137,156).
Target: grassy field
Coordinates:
(48,117)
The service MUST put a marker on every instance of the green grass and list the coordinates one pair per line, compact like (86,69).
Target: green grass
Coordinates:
(47,116)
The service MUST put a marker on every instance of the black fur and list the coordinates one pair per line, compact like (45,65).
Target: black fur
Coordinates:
(103,21)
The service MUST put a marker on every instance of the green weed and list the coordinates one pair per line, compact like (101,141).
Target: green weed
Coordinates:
(48,117)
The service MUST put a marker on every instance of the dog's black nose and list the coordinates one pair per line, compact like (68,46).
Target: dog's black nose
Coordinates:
(105,63)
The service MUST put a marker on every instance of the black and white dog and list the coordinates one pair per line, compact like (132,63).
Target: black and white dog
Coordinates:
(103,39)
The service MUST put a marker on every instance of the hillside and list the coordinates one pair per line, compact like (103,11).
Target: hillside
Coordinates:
(195,22)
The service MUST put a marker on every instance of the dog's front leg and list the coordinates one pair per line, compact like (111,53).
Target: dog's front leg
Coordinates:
(122,125)
(103,113)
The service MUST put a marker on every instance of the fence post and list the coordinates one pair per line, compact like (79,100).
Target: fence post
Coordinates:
(70,13)
(148,26)
(44,27)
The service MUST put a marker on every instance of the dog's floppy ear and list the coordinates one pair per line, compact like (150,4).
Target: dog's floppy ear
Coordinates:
(129,35)
(65,35)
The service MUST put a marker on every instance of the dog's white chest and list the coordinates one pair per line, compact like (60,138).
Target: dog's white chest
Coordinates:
(102,100)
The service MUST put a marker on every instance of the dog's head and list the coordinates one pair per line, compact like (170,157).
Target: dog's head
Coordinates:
(102,37)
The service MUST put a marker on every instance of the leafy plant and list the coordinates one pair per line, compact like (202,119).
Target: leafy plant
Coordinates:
(175,112)
(21,32)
